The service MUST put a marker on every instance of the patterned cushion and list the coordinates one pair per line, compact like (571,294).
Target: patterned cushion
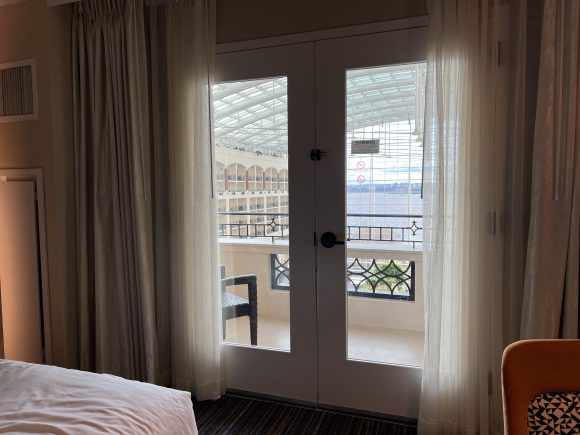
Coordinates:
(554,413)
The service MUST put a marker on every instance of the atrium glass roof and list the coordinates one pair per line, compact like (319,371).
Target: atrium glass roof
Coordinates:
(252,115)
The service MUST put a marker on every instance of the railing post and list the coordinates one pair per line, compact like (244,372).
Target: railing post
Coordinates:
(412,290)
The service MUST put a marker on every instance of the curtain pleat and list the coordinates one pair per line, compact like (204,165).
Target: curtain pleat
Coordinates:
(525,22)
(155,24)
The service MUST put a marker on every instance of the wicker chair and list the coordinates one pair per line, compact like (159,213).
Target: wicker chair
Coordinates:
(235,306)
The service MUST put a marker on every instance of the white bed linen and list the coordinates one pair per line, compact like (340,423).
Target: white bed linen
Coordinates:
(45,399)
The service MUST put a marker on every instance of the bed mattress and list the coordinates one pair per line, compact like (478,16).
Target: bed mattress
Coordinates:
(45,399)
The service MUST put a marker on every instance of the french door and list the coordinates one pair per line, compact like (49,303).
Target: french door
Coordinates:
(318,166)
(367,104)
(264,128)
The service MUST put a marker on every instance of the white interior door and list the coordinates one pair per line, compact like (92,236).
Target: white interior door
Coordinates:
(369,99)
(264,129)
(20,292)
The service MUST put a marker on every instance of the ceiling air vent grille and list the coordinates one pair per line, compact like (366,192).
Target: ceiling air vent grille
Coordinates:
(18,100)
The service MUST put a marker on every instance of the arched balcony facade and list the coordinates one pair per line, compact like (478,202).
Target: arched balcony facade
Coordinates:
(271,179)
(255,178)
(236,178)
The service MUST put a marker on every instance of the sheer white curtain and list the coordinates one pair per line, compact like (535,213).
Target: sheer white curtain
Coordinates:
(461,339)
(195,294)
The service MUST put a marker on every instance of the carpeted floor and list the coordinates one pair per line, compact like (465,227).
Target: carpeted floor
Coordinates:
(240,415)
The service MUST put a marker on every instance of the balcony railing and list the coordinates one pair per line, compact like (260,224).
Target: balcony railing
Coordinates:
(366,277)
(272,226)
(395,228)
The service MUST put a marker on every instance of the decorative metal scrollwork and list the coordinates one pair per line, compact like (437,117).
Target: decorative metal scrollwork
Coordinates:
(367,277)
(391,279)
(275,226)
(280,271)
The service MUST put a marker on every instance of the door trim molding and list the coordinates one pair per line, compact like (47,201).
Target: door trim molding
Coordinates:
(318,35)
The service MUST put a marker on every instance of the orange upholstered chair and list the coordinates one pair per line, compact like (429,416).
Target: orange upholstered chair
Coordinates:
(532,371)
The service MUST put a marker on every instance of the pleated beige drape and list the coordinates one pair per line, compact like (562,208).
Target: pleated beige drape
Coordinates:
(551,286)
(113,191)
(148,276)
(524,49)
(541,222)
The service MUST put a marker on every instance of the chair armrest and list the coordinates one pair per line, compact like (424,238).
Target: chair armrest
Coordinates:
(532,367)
(250,280)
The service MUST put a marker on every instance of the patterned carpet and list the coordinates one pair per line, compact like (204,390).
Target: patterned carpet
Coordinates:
(240,415)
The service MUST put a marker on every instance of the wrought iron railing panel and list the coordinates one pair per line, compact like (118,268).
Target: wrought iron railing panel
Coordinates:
(366,277)
(380,278)
(384,228)
(272,226)
(280,271)
(405,229)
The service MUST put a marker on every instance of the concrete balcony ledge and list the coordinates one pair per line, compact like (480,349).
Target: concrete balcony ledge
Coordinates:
(384,330)
(252,256)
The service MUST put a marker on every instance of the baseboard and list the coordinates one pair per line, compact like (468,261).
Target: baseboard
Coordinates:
(329,408)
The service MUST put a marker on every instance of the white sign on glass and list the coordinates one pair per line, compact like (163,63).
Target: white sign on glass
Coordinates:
(365,146)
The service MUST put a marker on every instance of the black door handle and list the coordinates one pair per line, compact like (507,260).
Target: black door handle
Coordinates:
(328,240)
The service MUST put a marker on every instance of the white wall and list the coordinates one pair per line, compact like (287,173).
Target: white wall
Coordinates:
(31,30)
(249,19)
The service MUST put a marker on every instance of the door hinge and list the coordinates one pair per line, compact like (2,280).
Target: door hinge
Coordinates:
(316,154)
(315,239)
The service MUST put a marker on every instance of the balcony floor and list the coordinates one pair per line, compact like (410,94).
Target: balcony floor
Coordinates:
(385,345)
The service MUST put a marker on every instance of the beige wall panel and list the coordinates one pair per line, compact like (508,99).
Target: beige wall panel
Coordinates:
(241,20)
(31,30)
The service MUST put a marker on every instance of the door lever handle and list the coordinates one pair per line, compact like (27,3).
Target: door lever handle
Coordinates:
(328,240)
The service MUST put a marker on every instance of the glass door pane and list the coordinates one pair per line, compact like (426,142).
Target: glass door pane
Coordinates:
(251,149)
(384,159)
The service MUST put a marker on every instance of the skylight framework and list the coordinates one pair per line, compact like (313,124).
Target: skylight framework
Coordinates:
(252,115)
(386,104)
